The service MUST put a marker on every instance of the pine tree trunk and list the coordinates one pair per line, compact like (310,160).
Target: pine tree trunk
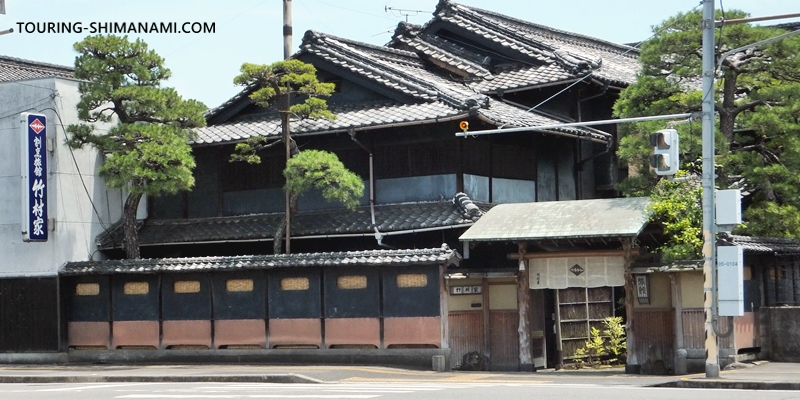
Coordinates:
(277,240)
(129,226)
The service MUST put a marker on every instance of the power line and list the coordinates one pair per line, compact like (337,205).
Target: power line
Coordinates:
(223,24)
(315,17)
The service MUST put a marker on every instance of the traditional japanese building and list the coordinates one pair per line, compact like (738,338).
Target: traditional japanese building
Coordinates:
(398,108)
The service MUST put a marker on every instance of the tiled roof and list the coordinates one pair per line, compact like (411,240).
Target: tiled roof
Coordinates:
(443,255)
(438,98)
(509,77)
(753,244)
(510,116)
(351,115)
(432,94)
(399,70)
(389,218)
(537,44)
(16,69)
(442,50)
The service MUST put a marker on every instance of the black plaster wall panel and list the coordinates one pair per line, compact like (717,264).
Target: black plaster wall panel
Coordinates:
(283,304)
(411,301)
(352,303)
(191,305)
(231,302)
(134,307)
(82,304)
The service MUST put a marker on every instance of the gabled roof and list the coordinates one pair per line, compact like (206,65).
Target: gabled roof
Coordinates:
(533,45)
(443,255)
(17,69)
(430,97)
(575,219)
(390,219)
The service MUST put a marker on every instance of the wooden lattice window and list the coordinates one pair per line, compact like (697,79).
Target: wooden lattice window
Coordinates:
(187,286)
(239,285)
(87,289)
(351,282)
(299,283)
(412,280)
(136,288)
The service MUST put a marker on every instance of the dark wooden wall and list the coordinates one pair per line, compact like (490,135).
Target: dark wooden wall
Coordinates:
(29,315)
(417,151)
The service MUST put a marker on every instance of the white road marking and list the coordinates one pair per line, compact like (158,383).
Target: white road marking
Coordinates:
(98,386)
(247,396)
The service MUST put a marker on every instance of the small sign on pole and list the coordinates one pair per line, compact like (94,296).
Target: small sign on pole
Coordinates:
(730,279)
(34,177)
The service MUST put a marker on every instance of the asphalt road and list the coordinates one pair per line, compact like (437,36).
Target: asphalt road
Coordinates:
(379,391)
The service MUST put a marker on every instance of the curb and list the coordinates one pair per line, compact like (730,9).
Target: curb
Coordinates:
(278,378)
(729,384)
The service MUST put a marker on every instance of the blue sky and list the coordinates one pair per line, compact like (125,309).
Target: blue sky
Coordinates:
(203,65)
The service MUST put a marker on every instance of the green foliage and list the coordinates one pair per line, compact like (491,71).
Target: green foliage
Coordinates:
(617,344)
(758,132)
(148,150)
(316,169)
(678,207)
(595,345)
(278,82)
(611,341)
(287,77)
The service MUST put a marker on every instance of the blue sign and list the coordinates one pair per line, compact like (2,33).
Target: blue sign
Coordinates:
(34,177)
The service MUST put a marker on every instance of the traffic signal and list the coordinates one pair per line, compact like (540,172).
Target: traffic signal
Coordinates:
(665,152)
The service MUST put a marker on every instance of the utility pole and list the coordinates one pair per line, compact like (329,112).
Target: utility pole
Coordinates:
(285,104)
(287,29)
(709,226)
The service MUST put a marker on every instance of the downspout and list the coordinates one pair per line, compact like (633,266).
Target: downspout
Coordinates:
(378,234)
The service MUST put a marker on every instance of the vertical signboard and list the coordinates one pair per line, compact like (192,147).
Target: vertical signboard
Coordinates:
(34,177)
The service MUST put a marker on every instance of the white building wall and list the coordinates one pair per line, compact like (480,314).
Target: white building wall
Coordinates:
(74,224)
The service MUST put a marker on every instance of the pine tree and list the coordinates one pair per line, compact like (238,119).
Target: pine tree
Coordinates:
(758,127)
(276,85)
(147,152)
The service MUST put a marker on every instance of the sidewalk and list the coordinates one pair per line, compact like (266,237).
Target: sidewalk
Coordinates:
(760,375)
(766,376)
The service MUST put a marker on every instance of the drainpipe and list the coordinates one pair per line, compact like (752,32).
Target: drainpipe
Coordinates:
(378,235)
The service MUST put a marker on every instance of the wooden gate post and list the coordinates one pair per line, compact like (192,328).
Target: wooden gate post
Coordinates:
(524,307)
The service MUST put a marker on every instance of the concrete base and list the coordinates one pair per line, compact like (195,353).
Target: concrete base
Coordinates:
(439,363)
(37,358)
(712,371)
(407,358)
(634,369)
(681,368)
(527,368)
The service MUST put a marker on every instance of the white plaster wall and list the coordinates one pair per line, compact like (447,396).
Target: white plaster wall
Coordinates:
(76,226)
